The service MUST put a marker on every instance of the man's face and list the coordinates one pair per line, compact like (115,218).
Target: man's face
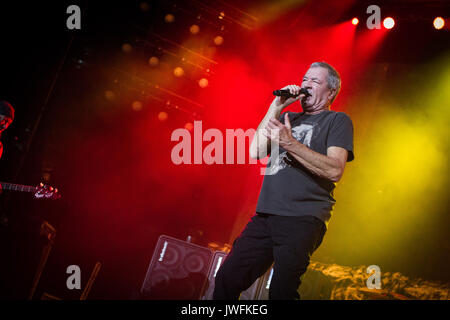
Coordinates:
(315,81)
(4,122)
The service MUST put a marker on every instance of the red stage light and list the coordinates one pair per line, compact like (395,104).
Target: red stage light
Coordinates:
(438,23)
(355,21)
(388,23)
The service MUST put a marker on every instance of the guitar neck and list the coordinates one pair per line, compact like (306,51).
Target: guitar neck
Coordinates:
(17,187)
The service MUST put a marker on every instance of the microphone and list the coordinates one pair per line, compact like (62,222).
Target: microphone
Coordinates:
(287,93)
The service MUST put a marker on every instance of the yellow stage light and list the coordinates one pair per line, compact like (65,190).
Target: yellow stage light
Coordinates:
(126,47)
(153,61)
(169,18)
(194,29)
(218,40)
(110,95)
(178,72)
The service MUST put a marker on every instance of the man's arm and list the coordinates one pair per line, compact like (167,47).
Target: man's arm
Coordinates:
(330,166)
(260,145)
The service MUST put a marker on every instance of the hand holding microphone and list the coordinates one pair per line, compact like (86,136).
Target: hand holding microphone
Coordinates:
(288,95)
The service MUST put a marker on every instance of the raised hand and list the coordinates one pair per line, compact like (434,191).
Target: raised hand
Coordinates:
(280,133)
(283,102)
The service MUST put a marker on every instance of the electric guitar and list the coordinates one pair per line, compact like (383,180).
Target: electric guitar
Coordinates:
(41,191)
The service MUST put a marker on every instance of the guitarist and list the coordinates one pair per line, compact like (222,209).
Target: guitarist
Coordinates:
(6,118)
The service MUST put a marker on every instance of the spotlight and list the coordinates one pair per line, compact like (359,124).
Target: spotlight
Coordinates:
(153,61)
(189,126)
(203,83)
(218,40)
(169,18)
(126,47)
(110,95)
(355,21)
(438,23)
(194,29)
(388,23)
(178,72)
(144,6)
(162,116)
(137,106)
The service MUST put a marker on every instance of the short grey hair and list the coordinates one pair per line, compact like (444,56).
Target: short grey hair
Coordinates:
(333,79)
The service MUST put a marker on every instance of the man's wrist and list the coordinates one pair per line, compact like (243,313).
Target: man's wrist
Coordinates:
(277,107)
(292,145)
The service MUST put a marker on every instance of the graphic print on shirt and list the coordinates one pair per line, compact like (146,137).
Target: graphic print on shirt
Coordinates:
(303,133)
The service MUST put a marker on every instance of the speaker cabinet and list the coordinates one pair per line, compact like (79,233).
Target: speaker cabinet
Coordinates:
(259,290)
(217,260)
(250,294)
(263,292)
(178,270)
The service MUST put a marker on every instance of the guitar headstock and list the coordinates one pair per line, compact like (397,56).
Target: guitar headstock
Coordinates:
(47,192)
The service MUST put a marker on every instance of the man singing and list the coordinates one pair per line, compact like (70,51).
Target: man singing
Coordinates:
(296,198)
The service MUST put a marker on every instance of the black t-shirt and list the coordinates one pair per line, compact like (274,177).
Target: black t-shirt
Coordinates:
(291,189)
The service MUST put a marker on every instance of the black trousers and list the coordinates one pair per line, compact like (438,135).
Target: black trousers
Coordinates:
(287,242)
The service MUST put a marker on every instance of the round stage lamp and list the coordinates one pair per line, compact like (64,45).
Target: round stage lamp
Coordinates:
(389,23)
(438,23)
(178,72)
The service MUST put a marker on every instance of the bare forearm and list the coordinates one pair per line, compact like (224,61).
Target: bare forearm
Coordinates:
(260,145)
(319,164)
